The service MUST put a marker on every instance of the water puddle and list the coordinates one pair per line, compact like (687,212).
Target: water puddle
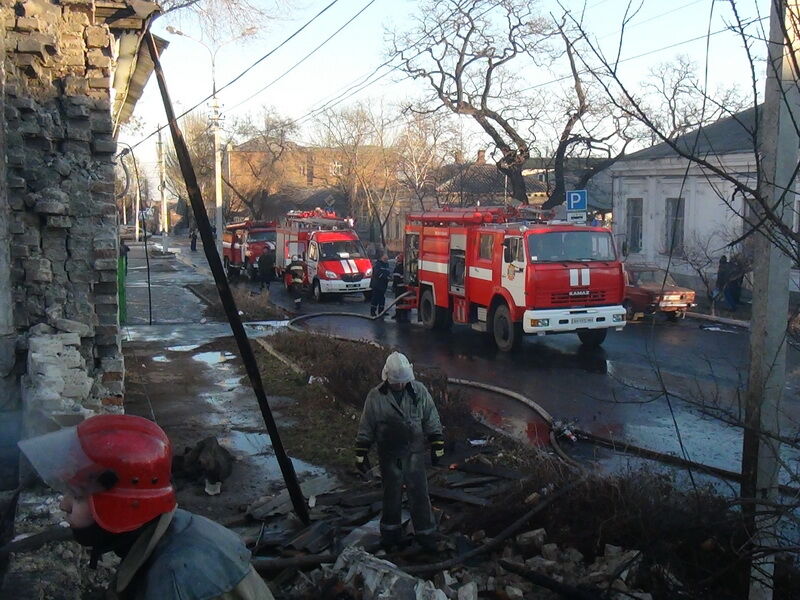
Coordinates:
(186,348)
(160,358)
(230,384)
(509,417)
(213,358)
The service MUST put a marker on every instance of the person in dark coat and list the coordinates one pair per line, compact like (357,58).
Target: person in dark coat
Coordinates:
(737,272)
(193,240)
(722,287)
(266,267)
(378,284)
(399,288)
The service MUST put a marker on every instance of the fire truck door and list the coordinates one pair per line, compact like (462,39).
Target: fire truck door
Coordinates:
(513,273)
(312,260)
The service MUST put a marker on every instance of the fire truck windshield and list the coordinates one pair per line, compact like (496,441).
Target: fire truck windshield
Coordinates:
(561,246)
(342,249)
(262,236)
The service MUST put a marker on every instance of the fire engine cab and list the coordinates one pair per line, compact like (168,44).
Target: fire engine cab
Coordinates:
(490,268)
(333,257)
(243,243)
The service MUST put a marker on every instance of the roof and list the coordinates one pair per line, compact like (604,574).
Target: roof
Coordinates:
(484,179)
(731,135)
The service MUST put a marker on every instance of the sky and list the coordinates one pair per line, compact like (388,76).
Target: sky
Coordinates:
(658,32)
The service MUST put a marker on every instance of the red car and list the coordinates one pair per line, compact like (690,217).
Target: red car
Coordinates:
(650,289)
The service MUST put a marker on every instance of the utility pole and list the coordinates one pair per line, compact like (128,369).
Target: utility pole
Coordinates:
(162,189)
(215,120)
(778,145)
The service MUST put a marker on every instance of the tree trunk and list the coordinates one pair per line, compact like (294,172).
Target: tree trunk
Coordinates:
(516,182)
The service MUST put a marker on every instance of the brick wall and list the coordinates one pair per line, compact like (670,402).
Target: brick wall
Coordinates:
(62,218)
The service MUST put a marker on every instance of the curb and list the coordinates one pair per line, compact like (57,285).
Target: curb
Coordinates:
(721,320)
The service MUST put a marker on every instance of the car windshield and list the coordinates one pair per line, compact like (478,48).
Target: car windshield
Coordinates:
(262,236)
(342,249)
(560,246)
(652,276)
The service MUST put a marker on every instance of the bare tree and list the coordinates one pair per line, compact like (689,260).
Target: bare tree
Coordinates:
(425,145)
(258,166)
(466,53)
(368,160)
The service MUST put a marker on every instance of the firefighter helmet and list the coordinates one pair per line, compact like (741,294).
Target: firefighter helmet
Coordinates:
(121,462)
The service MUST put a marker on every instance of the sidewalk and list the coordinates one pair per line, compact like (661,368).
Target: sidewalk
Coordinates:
(184,372)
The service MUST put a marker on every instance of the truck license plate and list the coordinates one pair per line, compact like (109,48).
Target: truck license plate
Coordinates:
(581,320)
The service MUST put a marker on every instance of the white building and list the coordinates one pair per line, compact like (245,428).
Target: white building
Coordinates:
(662,201)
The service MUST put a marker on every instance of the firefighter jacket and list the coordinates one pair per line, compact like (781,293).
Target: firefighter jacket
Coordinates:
(183,556)
(380,276)
(402,428)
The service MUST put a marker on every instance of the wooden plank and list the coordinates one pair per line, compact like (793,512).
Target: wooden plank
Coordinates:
(457,496)
(481,469)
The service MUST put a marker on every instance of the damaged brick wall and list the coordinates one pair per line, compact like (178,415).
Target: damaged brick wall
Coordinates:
(62,218)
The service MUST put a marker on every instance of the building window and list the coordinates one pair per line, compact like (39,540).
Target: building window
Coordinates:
(485,246)
(302,169)
(633,221)
(673,226)
(336,168)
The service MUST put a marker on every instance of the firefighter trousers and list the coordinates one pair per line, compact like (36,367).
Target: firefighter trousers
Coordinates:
(408,471)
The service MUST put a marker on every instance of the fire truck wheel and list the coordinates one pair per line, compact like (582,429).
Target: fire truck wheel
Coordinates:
(592,337)
(432,316)
(317,291)
(507,334)
(629,312)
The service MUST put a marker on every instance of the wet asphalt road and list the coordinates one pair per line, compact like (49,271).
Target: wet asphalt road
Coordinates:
(614,391)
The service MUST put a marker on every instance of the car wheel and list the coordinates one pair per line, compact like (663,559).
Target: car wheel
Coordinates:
(368,296)
(507,334)
(316,290)
(674,316)
(593,337)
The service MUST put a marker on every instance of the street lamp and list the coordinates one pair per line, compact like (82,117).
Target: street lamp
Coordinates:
(216,118)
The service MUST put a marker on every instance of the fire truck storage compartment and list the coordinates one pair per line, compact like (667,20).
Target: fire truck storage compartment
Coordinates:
(411,271)
(457,270)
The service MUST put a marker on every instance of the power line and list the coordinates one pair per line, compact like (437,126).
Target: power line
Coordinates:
(306,57)
(243,73)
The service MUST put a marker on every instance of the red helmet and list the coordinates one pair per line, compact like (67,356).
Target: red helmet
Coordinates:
(122,462)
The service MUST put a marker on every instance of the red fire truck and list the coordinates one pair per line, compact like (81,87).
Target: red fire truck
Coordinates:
(243,243)
(333,257)
(491,268)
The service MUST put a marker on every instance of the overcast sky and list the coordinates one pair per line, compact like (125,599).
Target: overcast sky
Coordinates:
(360,48)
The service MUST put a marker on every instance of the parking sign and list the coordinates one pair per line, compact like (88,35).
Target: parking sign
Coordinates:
(576,200)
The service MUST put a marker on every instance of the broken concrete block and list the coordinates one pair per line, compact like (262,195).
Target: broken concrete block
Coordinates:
(532,540)
(572,555)
(381,579)
(70,326)
(514,593)
(550,552)
(468,591)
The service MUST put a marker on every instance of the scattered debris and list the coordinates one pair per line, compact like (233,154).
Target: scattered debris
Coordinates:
(208,462)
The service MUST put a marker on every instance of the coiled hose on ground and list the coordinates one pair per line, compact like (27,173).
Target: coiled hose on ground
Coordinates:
(615,445)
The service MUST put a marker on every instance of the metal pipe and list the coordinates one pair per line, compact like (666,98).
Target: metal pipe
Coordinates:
(226,297)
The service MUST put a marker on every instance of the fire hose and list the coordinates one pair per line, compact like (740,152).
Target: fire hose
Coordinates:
(615,445)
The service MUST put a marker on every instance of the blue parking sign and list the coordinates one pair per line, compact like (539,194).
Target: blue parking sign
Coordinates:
(576,200)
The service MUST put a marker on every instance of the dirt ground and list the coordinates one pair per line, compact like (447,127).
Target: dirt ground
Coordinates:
(253,304)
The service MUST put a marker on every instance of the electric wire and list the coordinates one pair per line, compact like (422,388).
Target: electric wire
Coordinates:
(243,73)
(306,57)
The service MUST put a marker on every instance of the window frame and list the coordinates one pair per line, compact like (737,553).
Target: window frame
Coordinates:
(670,221)
(629,219)
(481,238)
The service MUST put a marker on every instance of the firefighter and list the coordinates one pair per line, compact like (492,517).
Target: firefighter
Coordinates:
(296,274)
(399,288)
(378,284)
(400,418)
(114,472)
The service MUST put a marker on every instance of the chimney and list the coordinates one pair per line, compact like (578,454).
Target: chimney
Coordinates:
(481,159)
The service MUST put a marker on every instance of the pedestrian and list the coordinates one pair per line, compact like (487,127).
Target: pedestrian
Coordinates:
(737,279)
(193,240)
(266,266)
(378,285)
(401,419)
(114,472)
(722,288)
(123,254)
